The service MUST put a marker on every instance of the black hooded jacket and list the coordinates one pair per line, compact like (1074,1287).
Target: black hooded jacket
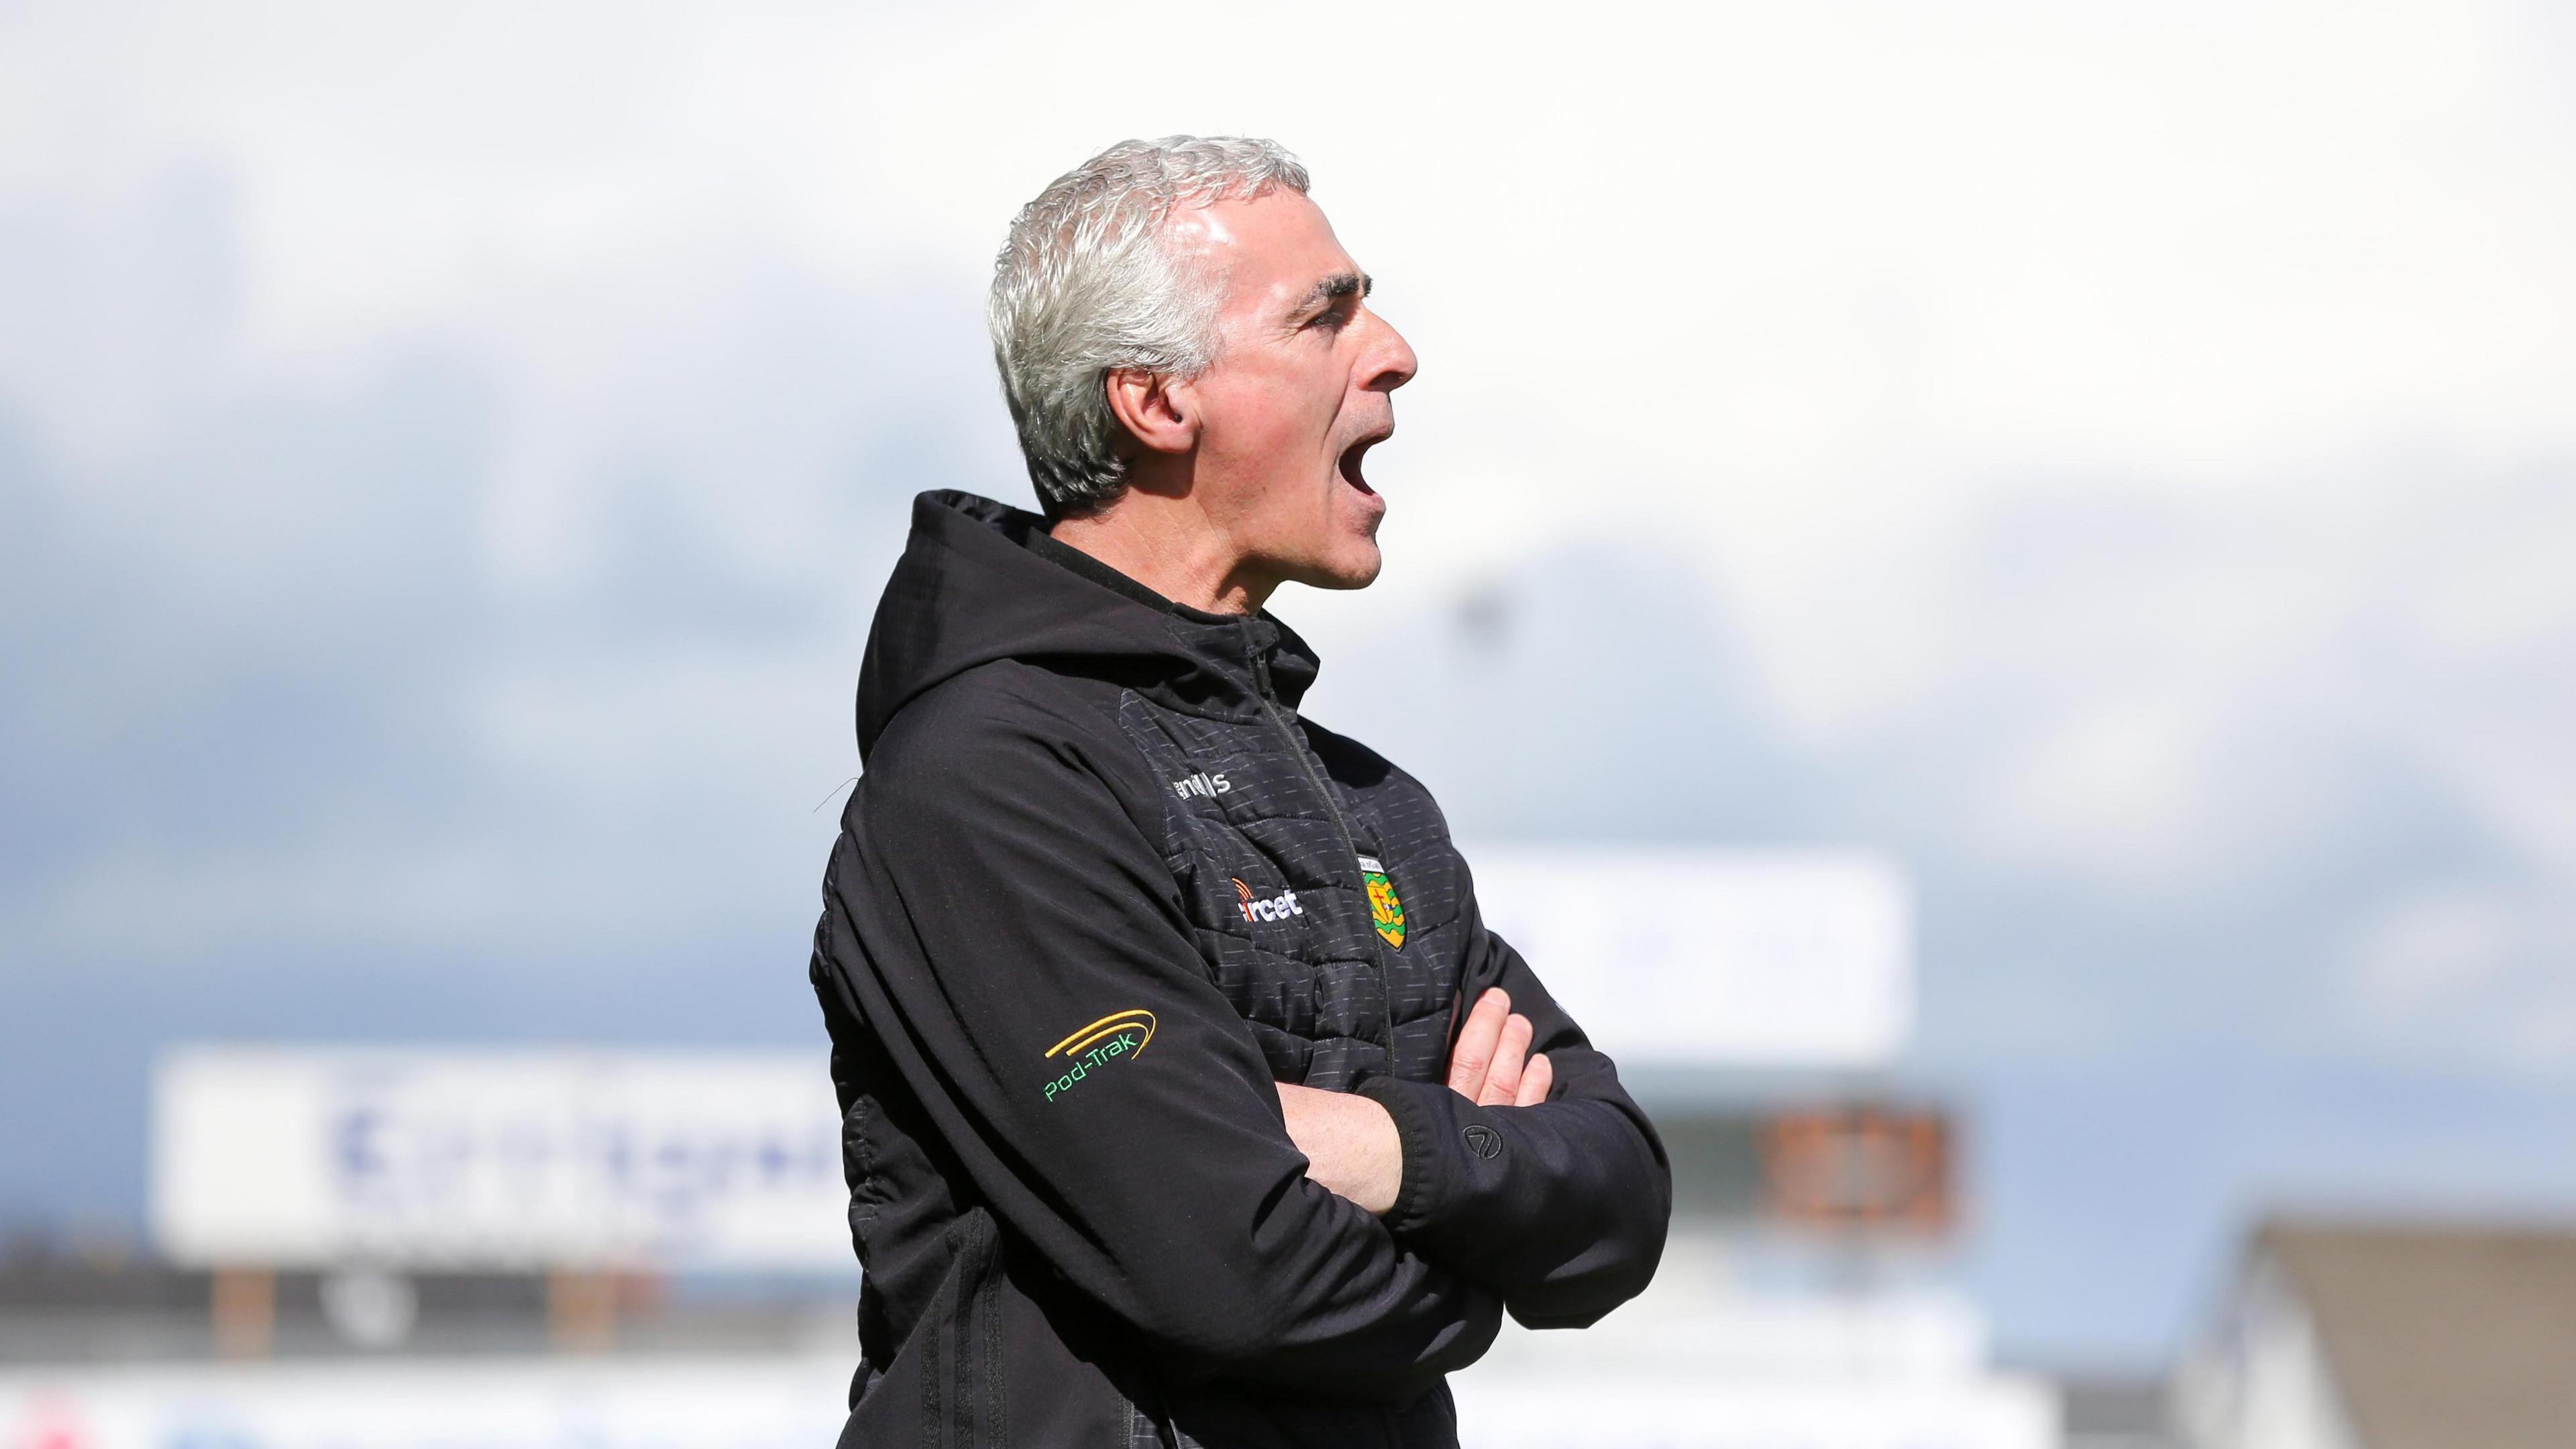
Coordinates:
(1098,890)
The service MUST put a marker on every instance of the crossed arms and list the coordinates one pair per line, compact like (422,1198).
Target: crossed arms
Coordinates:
(991,891)
(1351,1143)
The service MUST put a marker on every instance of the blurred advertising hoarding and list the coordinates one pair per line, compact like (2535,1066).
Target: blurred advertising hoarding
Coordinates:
(711,1403)
(1677,956)
(1993,1413)
(497,1159)
(1697,1362)
(667,1403)
(1868,1166)
(1825,1168)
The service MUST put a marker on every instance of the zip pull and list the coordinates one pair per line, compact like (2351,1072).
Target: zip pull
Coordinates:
(1260,668)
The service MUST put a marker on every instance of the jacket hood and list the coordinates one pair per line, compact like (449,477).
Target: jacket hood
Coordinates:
(981,581)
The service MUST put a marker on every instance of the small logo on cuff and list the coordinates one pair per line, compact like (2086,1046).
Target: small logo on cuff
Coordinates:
(1119,1034)
(1483,1141)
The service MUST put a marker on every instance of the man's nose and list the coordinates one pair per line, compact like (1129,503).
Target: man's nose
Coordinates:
(1390,362)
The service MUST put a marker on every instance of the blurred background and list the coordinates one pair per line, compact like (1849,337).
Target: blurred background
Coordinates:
(2087,492)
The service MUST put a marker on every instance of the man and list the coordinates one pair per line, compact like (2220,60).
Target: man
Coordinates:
(1188,1100)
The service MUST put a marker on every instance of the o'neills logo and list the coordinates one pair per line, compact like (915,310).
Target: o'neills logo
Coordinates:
(1119,1034)
(1277,908)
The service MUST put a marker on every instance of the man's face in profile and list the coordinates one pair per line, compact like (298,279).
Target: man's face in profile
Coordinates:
(1298,393)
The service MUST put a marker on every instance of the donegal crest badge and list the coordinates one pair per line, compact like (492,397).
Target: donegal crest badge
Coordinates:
(1386,912)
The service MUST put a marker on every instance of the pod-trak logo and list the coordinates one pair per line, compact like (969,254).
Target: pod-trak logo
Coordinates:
(1119,1034)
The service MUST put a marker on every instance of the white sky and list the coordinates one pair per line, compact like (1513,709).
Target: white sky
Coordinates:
(1818,279)
(1803,293)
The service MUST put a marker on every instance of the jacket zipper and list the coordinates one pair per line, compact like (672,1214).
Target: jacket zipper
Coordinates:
(1350,842)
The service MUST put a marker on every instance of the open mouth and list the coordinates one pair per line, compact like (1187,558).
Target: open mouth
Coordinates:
(1351,457)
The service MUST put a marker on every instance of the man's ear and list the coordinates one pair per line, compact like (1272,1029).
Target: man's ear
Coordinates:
(1158,410)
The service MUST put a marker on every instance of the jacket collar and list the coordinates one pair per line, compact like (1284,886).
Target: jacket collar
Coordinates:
(981,581)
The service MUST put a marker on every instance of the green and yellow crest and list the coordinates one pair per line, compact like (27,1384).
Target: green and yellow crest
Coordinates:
(1386,912)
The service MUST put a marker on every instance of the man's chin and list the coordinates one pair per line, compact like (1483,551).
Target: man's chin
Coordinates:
(1358,578)
(1353,568)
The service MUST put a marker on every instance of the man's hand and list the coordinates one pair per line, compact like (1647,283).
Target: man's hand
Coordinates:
(1350,1144)
(1487,1066)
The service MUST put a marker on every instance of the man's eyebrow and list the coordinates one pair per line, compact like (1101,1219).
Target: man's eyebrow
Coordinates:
(1335,287)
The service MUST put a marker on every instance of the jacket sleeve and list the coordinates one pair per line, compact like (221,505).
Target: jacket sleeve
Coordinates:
(1001,920)
(1562,1206)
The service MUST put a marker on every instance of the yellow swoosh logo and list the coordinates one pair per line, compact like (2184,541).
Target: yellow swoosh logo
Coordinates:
(1109,1025)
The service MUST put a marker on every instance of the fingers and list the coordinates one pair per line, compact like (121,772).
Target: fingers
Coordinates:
(1536,1078)
(1491,1065)
(1474,1053)
(1503,1076)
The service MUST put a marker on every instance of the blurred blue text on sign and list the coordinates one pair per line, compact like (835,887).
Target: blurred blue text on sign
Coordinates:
(498,1159)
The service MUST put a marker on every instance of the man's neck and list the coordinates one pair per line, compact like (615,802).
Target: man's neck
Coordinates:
(1169,546)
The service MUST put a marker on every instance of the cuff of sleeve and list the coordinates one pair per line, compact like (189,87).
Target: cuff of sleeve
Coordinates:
(1425,1132)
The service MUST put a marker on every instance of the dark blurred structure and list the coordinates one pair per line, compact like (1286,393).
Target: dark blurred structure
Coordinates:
(2116,1413)
(63,1307)
(1828,1161)
(2391,1336)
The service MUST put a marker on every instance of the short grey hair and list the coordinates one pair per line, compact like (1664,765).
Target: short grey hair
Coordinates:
(1084,285)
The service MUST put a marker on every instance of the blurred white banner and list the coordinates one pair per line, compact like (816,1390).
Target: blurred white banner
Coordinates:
(1993,1413)
(679,1403)
(498,1159)
(1697,957)
(1697,1364)
(796,1403)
